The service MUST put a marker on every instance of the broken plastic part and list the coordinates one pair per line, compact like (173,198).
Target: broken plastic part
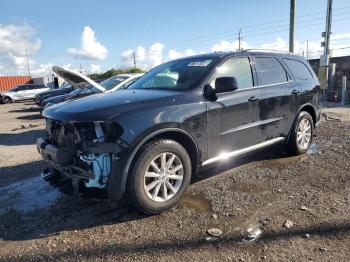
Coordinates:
(101,163)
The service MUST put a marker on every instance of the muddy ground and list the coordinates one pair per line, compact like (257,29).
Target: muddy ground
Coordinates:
(248,199)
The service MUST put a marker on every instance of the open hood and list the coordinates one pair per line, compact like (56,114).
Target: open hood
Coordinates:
(76,79)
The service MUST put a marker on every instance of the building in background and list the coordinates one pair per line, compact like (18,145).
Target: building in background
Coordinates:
(338,67)
(8,82)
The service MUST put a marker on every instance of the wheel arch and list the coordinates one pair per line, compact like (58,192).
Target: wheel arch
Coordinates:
(177,134)
(311,110)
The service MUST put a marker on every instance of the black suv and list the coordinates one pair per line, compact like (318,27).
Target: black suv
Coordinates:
(147,141)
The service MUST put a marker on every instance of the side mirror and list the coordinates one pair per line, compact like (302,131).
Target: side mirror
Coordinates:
(225,84)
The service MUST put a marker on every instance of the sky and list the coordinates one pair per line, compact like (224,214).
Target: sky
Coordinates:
(98,35)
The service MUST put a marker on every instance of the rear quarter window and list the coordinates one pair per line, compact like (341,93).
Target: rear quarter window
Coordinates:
(270,71)
(298,69)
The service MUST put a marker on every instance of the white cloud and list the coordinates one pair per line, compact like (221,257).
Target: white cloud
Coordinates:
(90,48)
(173,54)
(95,68)
(144,58)
(226,46)
(279,44)
(42,70)
(20,62)
(13,39)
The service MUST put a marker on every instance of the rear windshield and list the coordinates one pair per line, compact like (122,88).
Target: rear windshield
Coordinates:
(175,75)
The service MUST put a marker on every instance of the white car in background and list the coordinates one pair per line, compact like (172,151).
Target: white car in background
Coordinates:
(85,86)
(23,92)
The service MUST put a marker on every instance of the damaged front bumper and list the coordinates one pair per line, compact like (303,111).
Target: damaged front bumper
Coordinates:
(84,173)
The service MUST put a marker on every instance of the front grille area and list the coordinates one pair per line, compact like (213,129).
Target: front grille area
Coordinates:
(66,134)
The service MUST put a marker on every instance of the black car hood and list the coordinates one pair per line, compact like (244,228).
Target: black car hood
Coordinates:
(107,106)
(56,99)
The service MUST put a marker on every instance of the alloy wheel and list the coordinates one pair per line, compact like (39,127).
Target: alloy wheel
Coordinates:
(304,134)
(163,177)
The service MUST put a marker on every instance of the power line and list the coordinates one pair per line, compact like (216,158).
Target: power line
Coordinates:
(261,32)
(228,32)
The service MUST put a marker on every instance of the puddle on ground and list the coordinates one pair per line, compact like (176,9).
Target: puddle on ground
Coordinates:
(196,202)
(246,188)
(312,150)
(27,195)
(253,232)
(282,162)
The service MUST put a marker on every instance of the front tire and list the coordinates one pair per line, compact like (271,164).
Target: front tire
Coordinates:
(7,100)
(159,176)
(301,135)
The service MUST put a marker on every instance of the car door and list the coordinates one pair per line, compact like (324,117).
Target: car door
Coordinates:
(37,89)
(277,104)
(21,92)
(31,92)
(235,114)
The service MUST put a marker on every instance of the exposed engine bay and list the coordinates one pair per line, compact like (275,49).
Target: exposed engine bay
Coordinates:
(80,154)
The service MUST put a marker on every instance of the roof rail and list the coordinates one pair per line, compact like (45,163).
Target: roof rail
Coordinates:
(265,50)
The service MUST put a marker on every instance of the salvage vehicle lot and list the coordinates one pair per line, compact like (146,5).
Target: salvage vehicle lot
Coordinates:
(249,199)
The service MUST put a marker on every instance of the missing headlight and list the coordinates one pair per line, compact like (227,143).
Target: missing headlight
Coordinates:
(99,164)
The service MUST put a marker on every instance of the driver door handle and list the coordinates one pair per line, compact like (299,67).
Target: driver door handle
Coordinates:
(296,92)
(253,98)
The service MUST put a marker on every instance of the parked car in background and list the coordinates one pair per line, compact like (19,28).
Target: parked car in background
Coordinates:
(23,92)
(65,88)
(147,141)
(84,86)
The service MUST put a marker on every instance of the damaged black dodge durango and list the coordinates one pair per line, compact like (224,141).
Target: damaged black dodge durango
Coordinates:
(145,142)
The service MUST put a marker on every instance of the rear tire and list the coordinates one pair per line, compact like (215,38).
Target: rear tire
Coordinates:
(300,138)
(7,100)
(159,176)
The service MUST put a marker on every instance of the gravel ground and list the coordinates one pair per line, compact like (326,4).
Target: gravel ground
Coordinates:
(263,207)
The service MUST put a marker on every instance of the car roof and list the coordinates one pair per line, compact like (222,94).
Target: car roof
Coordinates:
(254,52)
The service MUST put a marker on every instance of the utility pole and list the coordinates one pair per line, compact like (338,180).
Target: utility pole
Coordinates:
(240,38)
(324,59)
(291,26)
(307,50)
(25,43)
(328,30)
(134,56)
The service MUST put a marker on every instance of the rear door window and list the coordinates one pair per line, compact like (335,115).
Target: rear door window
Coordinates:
(22,88)
(270,71)
(33,87)
(299,69)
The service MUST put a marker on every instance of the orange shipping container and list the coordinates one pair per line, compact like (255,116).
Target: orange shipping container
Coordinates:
(7,82)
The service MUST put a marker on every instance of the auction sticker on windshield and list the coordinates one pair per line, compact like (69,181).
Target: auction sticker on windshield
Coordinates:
(200,63)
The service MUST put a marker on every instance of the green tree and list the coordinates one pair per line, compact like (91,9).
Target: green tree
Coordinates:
(112,72)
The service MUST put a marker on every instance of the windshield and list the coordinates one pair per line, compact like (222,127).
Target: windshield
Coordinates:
(85,90)
(76,91)
(64,85)
(113,81)
(175,75)
(13,89)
